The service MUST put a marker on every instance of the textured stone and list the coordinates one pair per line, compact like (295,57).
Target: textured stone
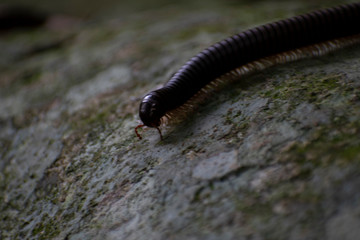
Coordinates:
(272,156)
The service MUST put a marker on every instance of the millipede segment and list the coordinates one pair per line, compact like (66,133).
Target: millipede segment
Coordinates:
(251,45)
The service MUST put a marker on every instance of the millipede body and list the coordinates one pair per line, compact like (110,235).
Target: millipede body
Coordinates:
(248,46)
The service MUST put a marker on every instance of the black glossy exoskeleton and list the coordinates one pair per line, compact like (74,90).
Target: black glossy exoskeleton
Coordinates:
(253,44)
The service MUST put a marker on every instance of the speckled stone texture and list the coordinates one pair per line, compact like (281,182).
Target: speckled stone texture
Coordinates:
(275,155)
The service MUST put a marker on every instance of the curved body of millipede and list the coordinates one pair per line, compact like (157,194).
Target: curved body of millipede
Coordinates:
(251,45)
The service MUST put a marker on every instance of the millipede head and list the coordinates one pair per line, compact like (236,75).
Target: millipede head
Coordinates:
(149,112)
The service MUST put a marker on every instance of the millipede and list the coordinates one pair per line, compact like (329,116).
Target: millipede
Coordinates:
(289,39)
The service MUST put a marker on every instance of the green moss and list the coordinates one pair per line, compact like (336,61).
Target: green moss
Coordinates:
(88,121)
(67,217)
(351,152)
(335,144)
(309,88)
(99,117)
(254,208)
(47,228)
(30,77)
(239,123)
(5,144)
(293,191)
(329,146)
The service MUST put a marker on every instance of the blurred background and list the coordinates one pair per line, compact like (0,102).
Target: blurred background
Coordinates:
(114,9)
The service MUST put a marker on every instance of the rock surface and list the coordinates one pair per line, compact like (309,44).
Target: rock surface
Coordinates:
(274,156)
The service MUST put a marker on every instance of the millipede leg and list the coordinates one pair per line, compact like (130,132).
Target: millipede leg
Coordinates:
(136,132)
(161,137)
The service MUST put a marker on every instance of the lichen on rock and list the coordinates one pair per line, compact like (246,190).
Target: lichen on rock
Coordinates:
(272,156)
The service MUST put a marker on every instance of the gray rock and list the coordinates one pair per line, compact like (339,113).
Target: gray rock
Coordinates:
(272,156)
